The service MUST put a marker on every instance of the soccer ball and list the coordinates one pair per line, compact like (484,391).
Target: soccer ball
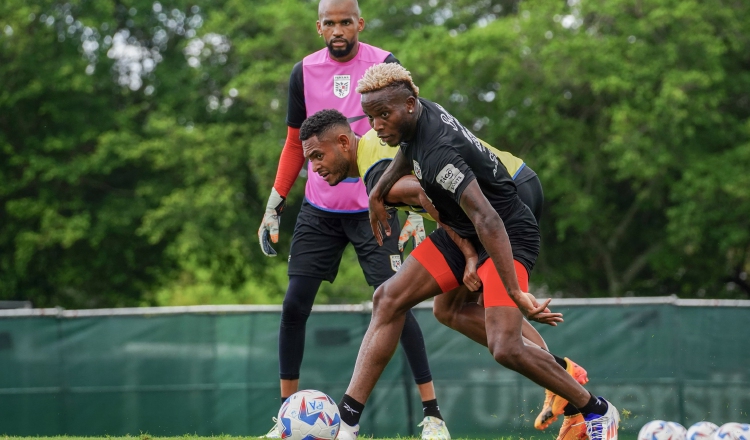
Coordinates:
(702,431)
(656,430)
(679,432)
(733,431)
(309,415)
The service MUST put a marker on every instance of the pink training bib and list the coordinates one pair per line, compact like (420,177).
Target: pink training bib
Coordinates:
(331,85)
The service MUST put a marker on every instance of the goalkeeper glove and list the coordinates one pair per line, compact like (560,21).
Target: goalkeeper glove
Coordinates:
(413,227)
(269,228)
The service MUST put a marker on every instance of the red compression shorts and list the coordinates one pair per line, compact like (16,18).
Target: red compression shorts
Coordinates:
(495,294)
(434,261)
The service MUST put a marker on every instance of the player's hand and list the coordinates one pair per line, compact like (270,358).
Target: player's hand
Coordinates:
(379,218)
(413,227)
(471,278)
(269,228)
(533,311)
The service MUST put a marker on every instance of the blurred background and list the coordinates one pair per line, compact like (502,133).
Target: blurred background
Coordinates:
(139,141)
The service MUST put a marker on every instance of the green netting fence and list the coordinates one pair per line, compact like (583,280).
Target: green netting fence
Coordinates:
(213,370)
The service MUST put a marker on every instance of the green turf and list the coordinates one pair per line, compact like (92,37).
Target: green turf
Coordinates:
(624,436)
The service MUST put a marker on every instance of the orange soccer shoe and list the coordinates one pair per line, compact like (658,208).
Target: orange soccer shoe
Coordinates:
(573,428)
(554,405)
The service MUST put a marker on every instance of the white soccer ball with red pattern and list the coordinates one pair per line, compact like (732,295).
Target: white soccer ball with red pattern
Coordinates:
(702,431)
(656,430)
(733,431)
(309,415)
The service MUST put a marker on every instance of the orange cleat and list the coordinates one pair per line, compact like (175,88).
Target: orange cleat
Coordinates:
(577,371)
(573,428)
(554,405)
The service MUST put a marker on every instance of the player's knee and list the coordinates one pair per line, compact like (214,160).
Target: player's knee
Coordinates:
(385,300)
(294,312)
(507,355)
(444,313)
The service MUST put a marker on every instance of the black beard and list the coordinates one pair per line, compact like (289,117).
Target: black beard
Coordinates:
(340,53)
(341,168)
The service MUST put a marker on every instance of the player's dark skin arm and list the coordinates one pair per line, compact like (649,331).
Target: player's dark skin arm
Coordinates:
(471,278)
(398,168)
(491,231)
(405,191)
(408,191)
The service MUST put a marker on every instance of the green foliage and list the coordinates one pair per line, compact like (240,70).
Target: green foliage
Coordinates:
(613,105)
(139,140)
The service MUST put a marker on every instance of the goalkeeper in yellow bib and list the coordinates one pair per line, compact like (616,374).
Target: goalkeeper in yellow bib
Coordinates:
(336,153)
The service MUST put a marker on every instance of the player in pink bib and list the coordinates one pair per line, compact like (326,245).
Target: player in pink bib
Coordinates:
(331,217)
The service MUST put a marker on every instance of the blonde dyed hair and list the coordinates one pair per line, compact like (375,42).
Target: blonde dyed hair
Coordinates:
(384,75)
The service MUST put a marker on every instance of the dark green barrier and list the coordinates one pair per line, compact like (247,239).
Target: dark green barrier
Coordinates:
(214,370)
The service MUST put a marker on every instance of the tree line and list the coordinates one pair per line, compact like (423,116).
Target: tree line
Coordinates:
(139,140)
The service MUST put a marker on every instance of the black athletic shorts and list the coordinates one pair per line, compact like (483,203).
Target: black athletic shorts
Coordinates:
(525,252)
(320,238)
(530,191)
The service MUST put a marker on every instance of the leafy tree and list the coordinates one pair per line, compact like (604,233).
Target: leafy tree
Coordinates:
(613,105)
(139,140)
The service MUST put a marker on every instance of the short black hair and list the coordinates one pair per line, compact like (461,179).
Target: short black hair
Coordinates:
(321,122)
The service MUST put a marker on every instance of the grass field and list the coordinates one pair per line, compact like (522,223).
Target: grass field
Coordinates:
(542,436)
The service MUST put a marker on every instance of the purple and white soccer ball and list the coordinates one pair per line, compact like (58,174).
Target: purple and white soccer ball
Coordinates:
(656,430)
(733,431)
(309,415)
(702,431)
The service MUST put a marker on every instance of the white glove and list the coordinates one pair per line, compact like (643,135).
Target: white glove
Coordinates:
(269,228)
(413,227)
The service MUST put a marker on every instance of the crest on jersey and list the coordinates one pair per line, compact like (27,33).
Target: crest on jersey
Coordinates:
(417,170)
(395,262)
(341,85)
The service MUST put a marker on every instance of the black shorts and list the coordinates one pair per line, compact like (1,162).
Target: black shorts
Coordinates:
(525,247)
(530,191)
(320,239)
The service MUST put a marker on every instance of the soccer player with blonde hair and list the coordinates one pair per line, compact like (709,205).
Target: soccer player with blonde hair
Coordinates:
(477,198)
(337,153)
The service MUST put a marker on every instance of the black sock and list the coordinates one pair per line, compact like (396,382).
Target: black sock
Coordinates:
(283,399)
(570,410)
(560,361)
(595,406)
(350,410)
(430,408)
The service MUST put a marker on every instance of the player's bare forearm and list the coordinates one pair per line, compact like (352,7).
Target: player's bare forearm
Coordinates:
(427,205)
(463,244)
(398,168)
(471,277)
(492,234)
(378,216)
(494,237)
(406,191)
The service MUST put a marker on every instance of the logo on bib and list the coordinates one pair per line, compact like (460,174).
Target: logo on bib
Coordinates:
(341,85)
(450,177)
(395,262)
(417,170)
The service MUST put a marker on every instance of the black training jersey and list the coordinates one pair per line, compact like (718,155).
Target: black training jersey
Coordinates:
(446,157)
(296,111)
